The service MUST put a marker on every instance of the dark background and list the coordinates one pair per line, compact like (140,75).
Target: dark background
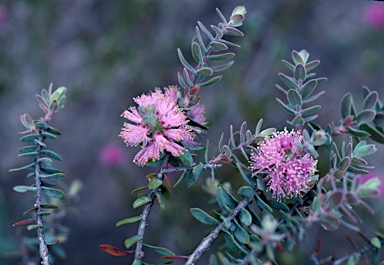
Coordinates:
(106,52)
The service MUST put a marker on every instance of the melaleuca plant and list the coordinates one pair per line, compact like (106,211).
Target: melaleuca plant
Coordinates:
(283,192)
(42,176)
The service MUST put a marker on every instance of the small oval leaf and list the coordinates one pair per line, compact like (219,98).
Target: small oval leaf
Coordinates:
(203,217)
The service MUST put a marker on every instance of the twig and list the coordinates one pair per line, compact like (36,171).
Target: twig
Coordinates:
(178,169)
(43,248)
(139,253)
(207,241)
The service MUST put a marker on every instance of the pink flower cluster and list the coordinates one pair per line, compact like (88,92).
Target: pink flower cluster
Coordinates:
(157,125)
(374,15)
(112,155)
(289,169)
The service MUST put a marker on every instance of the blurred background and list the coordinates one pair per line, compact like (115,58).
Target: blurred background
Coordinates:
(106,52)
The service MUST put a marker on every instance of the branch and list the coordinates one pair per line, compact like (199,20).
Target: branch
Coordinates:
(43,248)
(207,241)
(139,253)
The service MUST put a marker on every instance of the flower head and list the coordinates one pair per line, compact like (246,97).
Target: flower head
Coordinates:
(112,155)
(157,125)
(289,169)
(374,15)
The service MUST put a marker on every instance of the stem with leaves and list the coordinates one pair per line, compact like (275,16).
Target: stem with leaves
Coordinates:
(37,132)
(207,241)
(139,254)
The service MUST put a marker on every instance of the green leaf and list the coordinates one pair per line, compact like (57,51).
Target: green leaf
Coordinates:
(181,80)
(54,176)
(137,262)
(27,149)
(247,192)
(196,171)
(240,234)
(49,135)
(278,205)
(160,200)
(205,30)
(220,198)
(357,133)
(365,116)
(141,201)
(297,58)
(375,241)
(48,206)
(53,130)
(165,192)
(196,52)
(379,119)
(345,105)
(310,110)
(182,177)
(353,259)
(294,98)
(375,134)
(218,32)
(234,32)
(186,159)
(31,227)
(51,154)
(131,241)
(203,217)
(29,138)
(344,163)
(289,81)
(371,100)
(204,71)
(221,57)
(222,67)
(232,243)
(245,217)
(29,154)
(47,161)
(218,46)
(312,65)
(50,170)
(300,72)
(54,193)
(308,88)
(22,188)
(129,220)
(184,62)
(262,204)
(154,183)
(160,250)
(299,121)
(212,81)
(364,150)
(36,141)
(229,199)
(286,107)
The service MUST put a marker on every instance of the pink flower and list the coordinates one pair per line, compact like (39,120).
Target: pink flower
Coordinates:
(374,15)
(157,125)
(290,170)
(112,155)
(3,15)
(196,113)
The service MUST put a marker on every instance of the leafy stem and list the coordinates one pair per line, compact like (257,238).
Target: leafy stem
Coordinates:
(207,241)
(139,253)
(39,221)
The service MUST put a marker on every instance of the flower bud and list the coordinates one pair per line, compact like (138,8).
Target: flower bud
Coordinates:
(237,16)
